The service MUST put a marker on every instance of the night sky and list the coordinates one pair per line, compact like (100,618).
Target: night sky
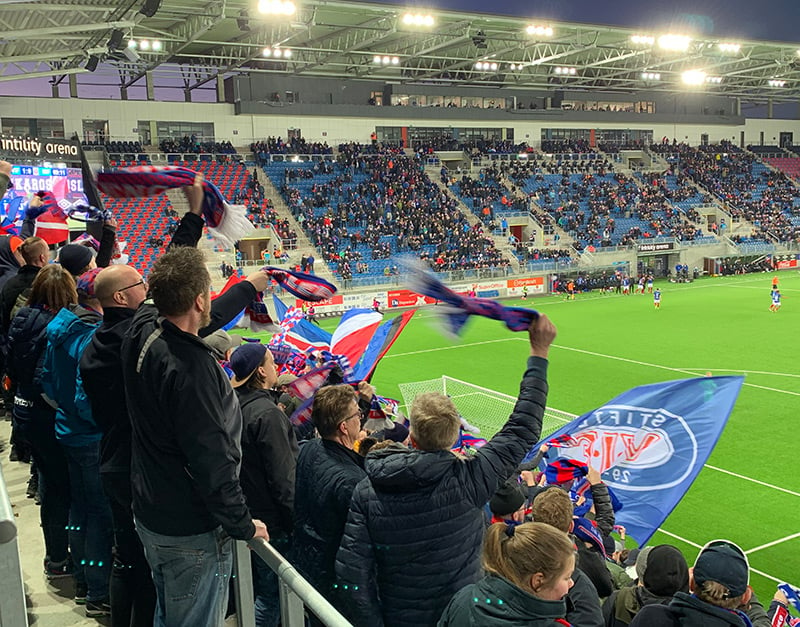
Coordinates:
(771,20)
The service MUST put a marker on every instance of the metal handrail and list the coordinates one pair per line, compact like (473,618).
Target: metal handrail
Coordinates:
(295,591)
(12,591)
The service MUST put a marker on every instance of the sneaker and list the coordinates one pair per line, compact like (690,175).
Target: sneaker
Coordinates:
(98,609)
(80,593)
(57,570)
(33,486)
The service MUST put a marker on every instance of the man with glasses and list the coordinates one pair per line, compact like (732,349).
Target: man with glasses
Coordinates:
(328,470)
(721,594)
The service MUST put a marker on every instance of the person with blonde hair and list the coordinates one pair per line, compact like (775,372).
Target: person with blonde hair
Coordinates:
(528,573)
(415,525)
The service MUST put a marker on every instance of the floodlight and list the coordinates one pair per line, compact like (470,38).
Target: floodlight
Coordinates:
(144,44)
(677,43)
(277,7)
(266,52)
(651,76)
(418,19)
(539,30)
(776,83)
(643,40)
(693,77)
(729,47)
(156,45)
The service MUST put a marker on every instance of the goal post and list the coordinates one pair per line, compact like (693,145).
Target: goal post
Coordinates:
(482,407)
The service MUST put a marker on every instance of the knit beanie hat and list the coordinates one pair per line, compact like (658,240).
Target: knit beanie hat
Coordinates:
(667,571)
(74,258)
(508,499)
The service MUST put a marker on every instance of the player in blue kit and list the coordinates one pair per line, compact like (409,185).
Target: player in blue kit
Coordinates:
(657,299)
(776,300)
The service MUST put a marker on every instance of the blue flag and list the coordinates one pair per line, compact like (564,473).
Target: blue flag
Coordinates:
(304,335)
(650,443)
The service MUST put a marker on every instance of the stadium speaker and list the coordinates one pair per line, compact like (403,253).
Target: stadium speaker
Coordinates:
(91,64)
(150,7)
(115,41)
(130,54)
(243,21)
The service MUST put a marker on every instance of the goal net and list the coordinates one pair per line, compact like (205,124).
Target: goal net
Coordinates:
(481,407)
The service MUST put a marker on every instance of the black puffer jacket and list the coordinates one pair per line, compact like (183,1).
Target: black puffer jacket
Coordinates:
(327,474)
(415,528)
(686,610)
(27,340)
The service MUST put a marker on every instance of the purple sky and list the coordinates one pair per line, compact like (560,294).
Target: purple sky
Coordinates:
(772,20)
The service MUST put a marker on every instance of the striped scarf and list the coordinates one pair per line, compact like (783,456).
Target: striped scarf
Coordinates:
(461,308)
(226,223)
(305,286)
(292,317)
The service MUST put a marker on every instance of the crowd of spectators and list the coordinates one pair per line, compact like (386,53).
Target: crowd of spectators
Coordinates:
(191,144)
(387,204)
(290,146)
(556,146)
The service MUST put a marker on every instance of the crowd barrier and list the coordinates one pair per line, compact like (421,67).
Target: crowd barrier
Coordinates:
(12,591)
(296,593)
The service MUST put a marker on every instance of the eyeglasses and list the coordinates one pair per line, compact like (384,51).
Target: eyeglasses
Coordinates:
(137,284)
(355,415)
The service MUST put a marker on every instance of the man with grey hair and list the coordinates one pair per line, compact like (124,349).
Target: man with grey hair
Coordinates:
(414,530)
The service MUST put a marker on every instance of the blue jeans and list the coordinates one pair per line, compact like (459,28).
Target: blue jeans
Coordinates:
(191,575)
(265,586)
(91,531)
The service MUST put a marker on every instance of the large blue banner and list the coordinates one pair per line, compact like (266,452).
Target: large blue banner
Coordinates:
(650,443)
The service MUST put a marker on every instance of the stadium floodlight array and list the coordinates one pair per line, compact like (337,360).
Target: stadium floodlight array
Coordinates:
(714,80)
(643,40)
(385,60)
(539,30)
(276,53)
(675,43)
(418,19)
(486,66)
(774,82)
(145,45)
(565,71)
(277,7)
(651,76)
(729,47)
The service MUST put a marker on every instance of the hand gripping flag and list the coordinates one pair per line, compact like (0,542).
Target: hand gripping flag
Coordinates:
(782,617)
(422,281)
(226,223)
(650,443)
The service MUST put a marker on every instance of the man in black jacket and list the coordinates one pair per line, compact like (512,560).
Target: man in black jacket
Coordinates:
(328,470)
(36,255)
(187,500)
(269,457)
(415,527)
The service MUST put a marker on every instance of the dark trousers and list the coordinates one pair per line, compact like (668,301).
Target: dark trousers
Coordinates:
(133,596)
(54,488)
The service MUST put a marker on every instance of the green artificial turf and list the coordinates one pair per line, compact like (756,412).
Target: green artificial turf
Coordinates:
(607,344)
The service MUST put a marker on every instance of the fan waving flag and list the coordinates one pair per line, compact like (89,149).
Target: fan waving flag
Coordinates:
(304,335)
(650,443)
(422,281)
(226,223)
(305,286)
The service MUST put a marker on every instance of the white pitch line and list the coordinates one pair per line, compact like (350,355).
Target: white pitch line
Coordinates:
(681,370)
(700,546)
(447,348)
(746,478)
(739,371)
(773,543)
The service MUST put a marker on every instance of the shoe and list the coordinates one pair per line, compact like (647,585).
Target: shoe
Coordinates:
(98,609)
(13,457)
(57,570)
(33,486)
(80,593)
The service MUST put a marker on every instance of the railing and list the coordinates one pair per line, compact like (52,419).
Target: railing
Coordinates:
(295,592)
(12,592)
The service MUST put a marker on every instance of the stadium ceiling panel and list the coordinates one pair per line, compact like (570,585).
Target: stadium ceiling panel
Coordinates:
(200,40)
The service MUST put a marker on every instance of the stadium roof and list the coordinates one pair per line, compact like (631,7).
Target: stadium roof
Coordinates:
(193,41)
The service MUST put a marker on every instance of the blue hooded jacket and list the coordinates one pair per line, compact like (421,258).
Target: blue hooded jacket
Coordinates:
(67,337)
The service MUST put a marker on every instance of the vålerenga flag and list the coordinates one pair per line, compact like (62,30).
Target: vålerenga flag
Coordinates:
(650,443)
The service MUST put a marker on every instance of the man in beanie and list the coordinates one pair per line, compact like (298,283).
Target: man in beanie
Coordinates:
(663,573)
(269,458)
(720,589)
(76,259)
(508,503)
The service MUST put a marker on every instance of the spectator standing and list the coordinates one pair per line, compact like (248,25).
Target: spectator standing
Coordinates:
(269,458)
(328,470)
(187,500)
(396,567)
(528,573)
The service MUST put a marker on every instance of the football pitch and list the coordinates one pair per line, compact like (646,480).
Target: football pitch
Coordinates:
(610,343)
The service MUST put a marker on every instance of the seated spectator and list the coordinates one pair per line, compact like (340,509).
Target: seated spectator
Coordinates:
(389,534)
(528,573)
